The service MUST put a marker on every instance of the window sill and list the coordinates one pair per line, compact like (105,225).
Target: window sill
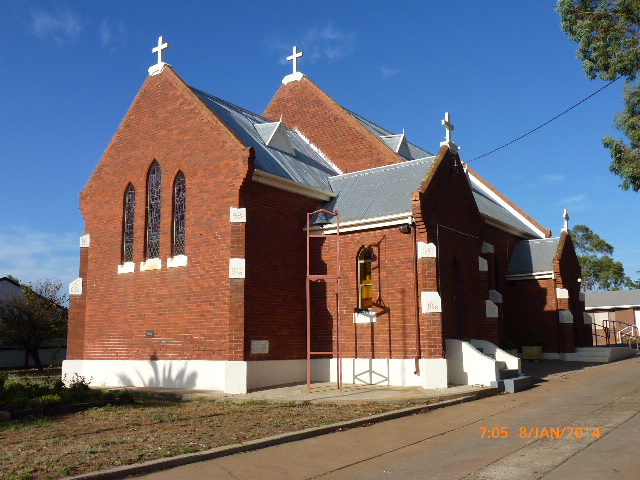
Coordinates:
(126,267)
(151,264)
(364,316)
(177,261)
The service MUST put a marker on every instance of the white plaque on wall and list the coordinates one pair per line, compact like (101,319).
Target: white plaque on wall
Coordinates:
(483,265)
(85,240)
(259,347)
(426,250)
(236,268)
(75,287)
(562,293)
(431,302)
(238,215)
(492,309)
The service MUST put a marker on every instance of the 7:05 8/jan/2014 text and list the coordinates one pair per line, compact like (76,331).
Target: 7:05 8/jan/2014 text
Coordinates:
(541,432)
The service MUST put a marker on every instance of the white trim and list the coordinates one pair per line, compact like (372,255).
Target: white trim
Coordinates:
(318,151)
(531,276)
(611,307)
(126,267)
(291,186)
(151,264)
(157,68)
(366,224)
(487,191)
(364,316)
(483,265)
(293,77)
(177,261)
(236,377)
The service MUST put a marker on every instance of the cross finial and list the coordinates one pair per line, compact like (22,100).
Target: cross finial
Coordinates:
(294,58)
(159,49)
(565,215)
(449,128)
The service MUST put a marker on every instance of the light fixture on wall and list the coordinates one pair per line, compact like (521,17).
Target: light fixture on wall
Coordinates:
(405,228)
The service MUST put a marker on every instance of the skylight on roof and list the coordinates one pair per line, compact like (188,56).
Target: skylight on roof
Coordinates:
(275,135)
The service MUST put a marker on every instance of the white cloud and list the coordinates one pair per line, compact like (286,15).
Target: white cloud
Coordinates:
(112,35)
(30,255)
(325,43)
(552,178)
(575,203)
(389,72)
(59,28)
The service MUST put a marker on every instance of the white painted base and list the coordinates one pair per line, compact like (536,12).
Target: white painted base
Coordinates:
(240,377)
(468,366)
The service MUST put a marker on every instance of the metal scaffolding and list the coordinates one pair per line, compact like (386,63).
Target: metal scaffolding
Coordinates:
(327,279)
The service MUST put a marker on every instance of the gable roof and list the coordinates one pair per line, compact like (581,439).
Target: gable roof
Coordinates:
(490,204)
(533,258)
(378,192)
(610,300)
(306,167)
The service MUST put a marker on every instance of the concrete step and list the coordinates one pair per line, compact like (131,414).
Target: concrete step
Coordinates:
(604,354)
(513,385)
(509,373)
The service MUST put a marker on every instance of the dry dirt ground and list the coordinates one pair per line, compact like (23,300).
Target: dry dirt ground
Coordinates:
(106,437)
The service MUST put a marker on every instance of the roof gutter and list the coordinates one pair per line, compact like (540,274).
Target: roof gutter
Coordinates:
(291,186)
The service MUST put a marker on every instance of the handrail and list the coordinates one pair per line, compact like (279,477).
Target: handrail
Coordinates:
(620,335)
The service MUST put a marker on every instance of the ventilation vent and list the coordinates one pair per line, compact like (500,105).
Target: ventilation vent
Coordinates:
(397,143)
(275,135)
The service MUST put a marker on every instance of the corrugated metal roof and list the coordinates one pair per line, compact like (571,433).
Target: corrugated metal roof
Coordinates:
(414,152)
(490,208)
(306,167)
(612,299)
(533,256)
(377,192)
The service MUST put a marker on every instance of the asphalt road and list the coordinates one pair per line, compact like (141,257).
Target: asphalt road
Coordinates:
(593,414)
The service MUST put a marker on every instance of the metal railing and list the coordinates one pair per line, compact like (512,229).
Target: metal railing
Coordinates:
(621,332)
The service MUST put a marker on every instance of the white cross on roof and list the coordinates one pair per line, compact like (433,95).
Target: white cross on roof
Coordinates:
(159,49)
(450,128)
(294,58)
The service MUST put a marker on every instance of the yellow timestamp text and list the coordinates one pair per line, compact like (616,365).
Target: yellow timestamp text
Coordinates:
(541,432)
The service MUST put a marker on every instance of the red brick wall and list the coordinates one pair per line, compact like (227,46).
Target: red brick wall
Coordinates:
(189,308)
(77,312)
(567,272)
(275,307)
(453,223)
(303,106)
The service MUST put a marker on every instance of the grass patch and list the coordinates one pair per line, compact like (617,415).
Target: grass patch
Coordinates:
(96,439)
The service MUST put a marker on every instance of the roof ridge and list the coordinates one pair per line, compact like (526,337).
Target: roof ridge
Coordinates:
(387,167)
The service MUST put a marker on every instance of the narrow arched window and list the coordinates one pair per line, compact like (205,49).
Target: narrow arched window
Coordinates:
(179,214)
(128,217)
(365,294)
(154,197)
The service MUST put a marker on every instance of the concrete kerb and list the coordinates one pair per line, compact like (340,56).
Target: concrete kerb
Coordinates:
(187,458)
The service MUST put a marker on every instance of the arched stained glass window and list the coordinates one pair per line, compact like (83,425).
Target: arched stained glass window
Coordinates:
(128,217)
(154,197)
(179,214)
(365,290)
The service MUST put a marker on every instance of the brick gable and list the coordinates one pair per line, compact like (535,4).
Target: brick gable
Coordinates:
(304,107)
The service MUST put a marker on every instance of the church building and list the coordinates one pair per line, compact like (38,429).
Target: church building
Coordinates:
(232,251)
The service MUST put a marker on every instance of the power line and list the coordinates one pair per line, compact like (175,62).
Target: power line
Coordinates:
(545,123)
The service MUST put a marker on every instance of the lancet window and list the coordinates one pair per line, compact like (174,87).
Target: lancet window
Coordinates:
(128,218)
(365,290)
(179,214)
(154,197)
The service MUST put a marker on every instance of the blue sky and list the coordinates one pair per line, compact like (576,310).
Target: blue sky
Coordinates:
(70,70)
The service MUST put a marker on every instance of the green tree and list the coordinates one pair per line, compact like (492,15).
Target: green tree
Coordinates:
(33,316)
(599,270)
(608,36)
